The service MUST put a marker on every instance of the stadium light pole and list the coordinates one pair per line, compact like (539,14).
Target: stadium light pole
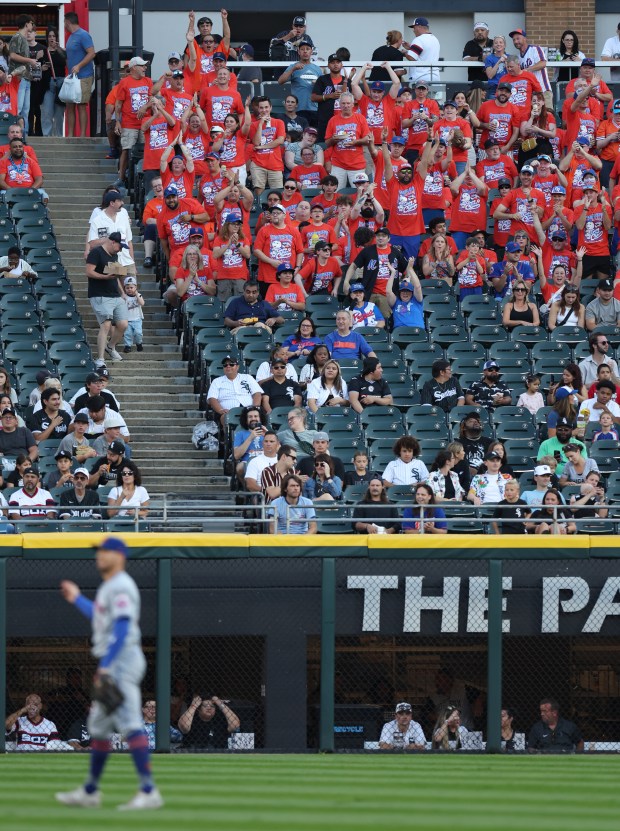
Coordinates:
(494,659)
(114,36)
(137,31)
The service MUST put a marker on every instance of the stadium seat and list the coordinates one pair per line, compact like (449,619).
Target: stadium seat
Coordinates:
(487,335)
(446,334)
(404,335)
(455,350)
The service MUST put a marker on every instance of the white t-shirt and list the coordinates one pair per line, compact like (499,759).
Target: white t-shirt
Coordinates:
(264,371)
(97,428)
(595,415)
(102,226)
(405,473)
(257,464)
(424,48)
(140,496)
(318,391)
(414,734)
(612,50)
(533,55)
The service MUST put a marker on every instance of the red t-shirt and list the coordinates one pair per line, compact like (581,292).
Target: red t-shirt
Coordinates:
(20,174)
(614,201)
(443,127)
(517,203)
(176,102)
(426,246)
(281,244)
(418,132)
(208,188)
(291,204)
(8,96)
(523,85)
(204,63)
(156,139)
(379,114)
(556,225)
(468,277)
(203,276)
(218,103)
(352,128)
(152,209)
(329,205)
(491,171)
(183,183)
(406,207)
(502,228)
(469,210)
(308,176)
(134,94)
(551,258)
(231,265)
(170,227)
(276,292)
(311,234)
(197,144)
(232,151)
(381,194)
(545,184)
(580,124)
(319,277)
(594,236)
(269,158)
(507,117)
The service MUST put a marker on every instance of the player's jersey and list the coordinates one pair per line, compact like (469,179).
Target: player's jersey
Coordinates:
(116,598)
(31,737)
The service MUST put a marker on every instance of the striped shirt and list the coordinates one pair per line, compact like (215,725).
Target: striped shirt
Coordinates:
(29,736)
(531,56)
(271,477)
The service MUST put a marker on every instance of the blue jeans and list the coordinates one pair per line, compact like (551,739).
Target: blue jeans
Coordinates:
(52,112)
(23,102)
(133,332)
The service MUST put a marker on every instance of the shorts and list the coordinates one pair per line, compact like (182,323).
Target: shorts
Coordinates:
(129,138)
(87,86)
(109,308)
(229,288)
(593,264)
(262,178)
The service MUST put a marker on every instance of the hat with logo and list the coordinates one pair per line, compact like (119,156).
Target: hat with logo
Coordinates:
(544,158)
(63,454)
(588,62)
(527,169)
(542,470)
(321,436)
(558,190)
(171,191)
(503,182)
(219,56)
(562,392)
(505,85)
(397,140)
(232,216)
(405,286)
(174,56)
(247,49)
(137,62)
(383,231)
(103,372)
(92,377)
(491,142)
(333,57)
(513,247)
(117,447)
(299,20)
(82,470)
(212,155)
(492,455)
(514,32)
(583,140)
(32,470)
(377,86)
(356,287)
(403,707)
(130,281)
(116,237)
(278,207)
(178,73)
(490,365)
(481,25)
(284,267)
(360,178)
(215,128)
(196,232)
(605,285)
(113,544)
(230,359)
(450,103)
(615,107)
(559,234)
(306,41)
(565,422)
(419,21)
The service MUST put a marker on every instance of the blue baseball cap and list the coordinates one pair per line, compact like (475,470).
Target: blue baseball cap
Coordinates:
(171,191)
(113,544)
(284,267)
(356,287)
(377,86)
(513,248)
(584,141)
(397,140)
(405,286)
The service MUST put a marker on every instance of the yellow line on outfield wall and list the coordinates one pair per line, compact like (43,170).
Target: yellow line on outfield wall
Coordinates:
(469,541)
(139,540)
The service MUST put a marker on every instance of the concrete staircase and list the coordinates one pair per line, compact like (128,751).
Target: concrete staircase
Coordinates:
(156,396)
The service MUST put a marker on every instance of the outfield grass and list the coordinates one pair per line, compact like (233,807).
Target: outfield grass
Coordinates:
(332,792)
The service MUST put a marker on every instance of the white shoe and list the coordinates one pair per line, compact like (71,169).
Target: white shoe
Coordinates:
(80,798)
(143,801)
(116,356)
(99,363)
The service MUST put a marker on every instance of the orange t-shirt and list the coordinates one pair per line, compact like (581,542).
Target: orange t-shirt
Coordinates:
(379,114)
(281,244)
(133,94)
(593,235)
(351,129)
(443,127)
(269,158)
(231,265)
(152,209)
(469,209)
(218,103)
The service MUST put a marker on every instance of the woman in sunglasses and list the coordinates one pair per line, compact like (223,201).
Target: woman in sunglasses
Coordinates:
(128,494)
(323,485)
(518,311)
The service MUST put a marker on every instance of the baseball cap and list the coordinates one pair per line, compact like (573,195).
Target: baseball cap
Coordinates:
(504,181)
(30,469)
(505,85)
(81,417)
(116,237)
(542,470)
(219,56)
(284,267)
(174,56)
(527,169)
(490,365)
(333,57)
(615,107)
(323,244)
(419,21)
(232,216)
(513,247)
(305,41)
(278,207)
(130,281)
(215,128)
(559,234)
(113,419)
(473,414)
(42,376)
(103,372)
(403,707)
(321,436)
(588,62)
(116,447)
(300,20)
(278,362)
(360,177)
(421,84)
(492,455)
(95,403)
(491,142)
(588,185)
(63,454)
(405,286)
(397,140)
(517,32)
(544,157)
(383,231)
(137,62)
(82,470)
(450,104)
(111,196)
(113,544)
(312,131)
(178,73)
(565,422)
(377,86)
(247,49)
(171,191)
(605,285)
(481,25)
(229,359)
(562,392)
(212,155)
(196,232)
(583,140)
(356,287)
(558,189)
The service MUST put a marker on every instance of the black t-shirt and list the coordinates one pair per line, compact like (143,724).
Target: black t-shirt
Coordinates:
(511,511)
(364,387)
(384,53)
(325,86)
(564,739)
(379,512)
(212,733)
(281,395)
(445,396)
(109,477)
(352,477)
(40,421)
(369,260)
(473,49)
(81,400)
(475,450)
(306,466)
(88,508)
(295,125)
(100,258)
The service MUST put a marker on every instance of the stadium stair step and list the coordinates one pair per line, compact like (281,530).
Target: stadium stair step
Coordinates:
(157,398)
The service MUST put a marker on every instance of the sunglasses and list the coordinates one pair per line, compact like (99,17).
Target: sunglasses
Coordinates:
(294,458)
(290,187)
(127,473)
(229,363)
(208,41)
(516,290)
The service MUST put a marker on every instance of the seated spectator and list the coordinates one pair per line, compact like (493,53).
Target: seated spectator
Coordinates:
(488,488)
(15,440)
(129,494)
(531,399)
(106,469)
(323,484)
(360,472)
(542,479)
(553,734)
(567,310)
(257,464)
(79,501)
(443,481)
(329,389)
(149,713)
(94,385)
(248,438)
(438,262)
(264,372)
(345,344)
(368,389)
(248,310)
(489,392)
(98,411)
(443,391)
(599,354)
(6,389)
(507,271)
(62,477)
(56,384)
(551,517)
(112,427)
(292,513)
(424,517)
(496,446)
(35,394)
(13,266)
(285,294)
(604,310)
(193,278)
(316,360)
(555,446)
(15,479)
(519,311)
(578,467)
(274,474)
(474,443)
(461,466)
(591,408)
(373,514)
(31,501)
(406,469)
(320,444)
(511,511)
(509,735)
(232,389)
(364,313)
(448,733)
(407,308)
(402,733)
(591,493)
(301,344)
(607,432)
(29,730)
(571,385)
(603,373)
(564,408)
(50,422)
(207,723)
(280,391)
(297,434)
(20,170)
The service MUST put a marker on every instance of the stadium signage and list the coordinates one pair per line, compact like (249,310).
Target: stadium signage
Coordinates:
(463,602)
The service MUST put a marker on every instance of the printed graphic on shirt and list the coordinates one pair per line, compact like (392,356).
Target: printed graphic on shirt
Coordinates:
(407,204)
(593,231)
(138,98)
(281,247)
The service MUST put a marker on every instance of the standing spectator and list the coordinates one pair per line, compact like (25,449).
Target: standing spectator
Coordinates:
(569,51)
(105,297)
(267,136)
(611,52)
(113,219)
(390,52)
(134,302)
(275,244)
(53,110)
(477,49)
(19,58)
(326,93)
(303,75)
(285,45)
(80,57)
(532,58)
(251,74)
(406,223)
(292,512)
(131,102)
(495,64)
(424,48)
(379,107)
(593,220)
(348,133)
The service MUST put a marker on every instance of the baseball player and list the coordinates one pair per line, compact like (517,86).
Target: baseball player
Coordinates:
(116,640)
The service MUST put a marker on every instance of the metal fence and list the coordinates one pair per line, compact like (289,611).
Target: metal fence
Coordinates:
(312,643)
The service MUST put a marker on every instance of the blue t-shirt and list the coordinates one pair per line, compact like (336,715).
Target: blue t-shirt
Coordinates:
(299,515)
(524,271)
(352,345)
(489,63)
(414,519)
(302,81)
(408,314)
(255,448)
(293,343)
(77,45)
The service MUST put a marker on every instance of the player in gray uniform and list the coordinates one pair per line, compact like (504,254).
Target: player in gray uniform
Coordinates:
(115,616)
